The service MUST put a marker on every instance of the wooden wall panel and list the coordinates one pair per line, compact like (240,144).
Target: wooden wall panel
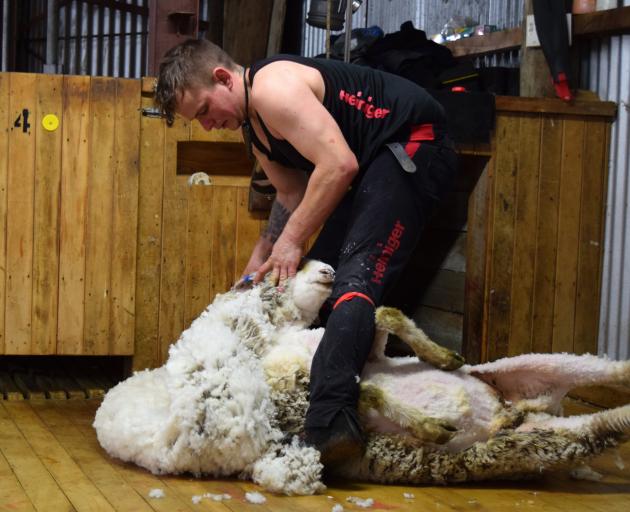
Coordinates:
(248,230)
(98,263)
(150,198)
(73,212)
(46,216)
(199,255)
(592,199)
(547,235)
(502,245)
(68,201)
(475,289)
(4,168)
(125,215)
(173,263)
(223,239)
(568,234)
(526,213)
(20,191)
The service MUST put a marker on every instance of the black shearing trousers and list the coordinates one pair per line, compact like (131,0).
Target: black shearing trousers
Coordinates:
(368,239)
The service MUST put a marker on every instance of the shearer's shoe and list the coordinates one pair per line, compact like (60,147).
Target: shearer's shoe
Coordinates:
(338,442)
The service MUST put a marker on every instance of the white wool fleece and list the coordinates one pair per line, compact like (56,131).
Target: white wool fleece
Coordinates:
(206,411)
(292,469)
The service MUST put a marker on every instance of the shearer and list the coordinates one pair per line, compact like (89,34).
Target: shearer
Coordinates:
(361,154)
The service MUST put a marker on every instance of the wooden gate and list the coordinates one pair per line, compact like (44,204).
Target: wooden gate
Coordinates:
(68,207)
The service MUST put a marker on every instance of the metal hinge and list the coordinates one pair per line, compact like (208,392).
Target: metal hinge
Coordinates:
(151,112)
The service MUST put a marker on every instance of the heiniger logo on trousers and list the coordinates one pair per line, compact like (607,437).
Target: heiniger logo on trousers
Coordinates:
(365,106)
(387,251)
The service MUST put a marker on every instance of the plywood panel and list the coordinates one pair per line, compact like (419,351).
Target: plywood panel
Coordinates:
(46,216)
(20,190)
(173,266)
(4,169)
(593,196)
(502,248)
(73,214)
(547,234)
(149,268)
(125,215)
(199,258)
(223,239)
(98,253)
(568,234)
(525,235)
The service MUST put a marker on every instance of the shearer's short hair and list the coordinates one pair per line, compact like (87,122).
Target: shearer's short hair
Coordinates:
(188,64)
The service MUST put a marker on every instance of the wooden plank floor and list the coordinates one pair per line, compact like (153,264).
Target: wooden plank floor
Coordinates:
(51,461)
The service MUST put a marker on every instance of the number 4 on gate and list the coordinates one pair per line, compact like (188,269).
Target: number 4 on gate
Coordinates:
(23,123)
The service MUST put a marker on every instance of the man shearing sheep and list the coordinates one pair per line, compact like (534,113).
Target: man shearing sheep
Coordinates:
(360,152)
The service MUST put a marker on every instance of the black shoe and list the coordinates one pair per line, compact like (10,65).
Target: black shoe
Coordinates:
(338,442)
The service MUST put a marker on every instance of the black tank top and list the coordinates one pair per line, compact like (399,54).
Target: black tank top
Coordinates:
(371,107)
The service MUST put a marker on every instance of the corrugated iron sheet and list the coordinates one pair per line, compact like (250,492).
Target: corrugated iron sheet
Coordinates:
(606,69)
(428,15)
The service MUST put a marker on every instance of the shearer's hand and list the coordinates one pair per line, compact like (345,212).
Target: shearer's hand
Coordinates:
(282,263)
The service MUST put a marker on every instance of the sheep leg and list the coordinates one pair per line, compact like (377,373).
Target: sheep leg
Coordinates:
(395,322)
(540,381)
(395,459)
(422,428)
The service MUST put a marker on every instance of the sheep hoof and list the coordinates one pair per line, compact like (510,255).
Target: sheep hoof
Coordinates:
(443,358)
(433,430)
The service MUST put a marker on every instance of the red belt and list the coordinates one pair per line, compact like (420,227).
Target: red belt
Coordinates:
(419,133)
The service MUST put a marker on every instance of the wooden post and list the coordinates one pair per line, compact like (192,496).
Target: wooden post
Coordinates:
(535,76)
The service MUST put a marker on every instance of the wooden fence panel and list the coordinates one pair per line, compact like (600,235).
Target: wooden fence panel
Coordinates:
(46,216)
(173,265)
(526,213)
(150,198)
(73,214)
(98,264)
(125,215)
(20,193)
(547,235)
(502,247)
(4,169)
(592,200)
(198,253)
(568,233)
(223,239)
(248,230)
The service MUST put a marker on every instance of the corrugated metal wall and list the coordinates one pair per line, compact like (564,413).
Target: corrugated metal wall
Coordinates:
(606,69)
(428,15)
(93,37)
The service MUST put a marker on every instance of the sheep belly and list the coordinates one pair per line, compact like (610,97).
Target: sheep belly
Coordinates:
(467,403)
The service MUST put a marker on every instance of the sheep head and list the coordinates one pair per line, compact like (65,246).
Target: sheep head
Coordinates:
(302,297)
(311,286)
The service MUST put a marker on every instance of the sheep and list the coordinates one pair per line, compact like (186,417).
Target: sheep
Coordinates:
(233,395)
(208,409)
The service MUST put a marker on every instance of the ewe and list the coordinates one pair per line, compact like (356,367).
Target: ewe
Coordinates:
(236,383)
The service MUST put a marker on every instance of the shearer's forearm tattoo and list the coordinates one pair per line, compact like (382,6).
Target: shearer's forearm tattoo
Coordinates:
(278,218)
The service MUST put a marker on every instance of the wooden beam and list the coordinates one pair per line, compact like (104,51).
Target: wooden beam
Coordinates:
(493,42)
(535,77)
(602,23)
(556,106)
(595,24)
